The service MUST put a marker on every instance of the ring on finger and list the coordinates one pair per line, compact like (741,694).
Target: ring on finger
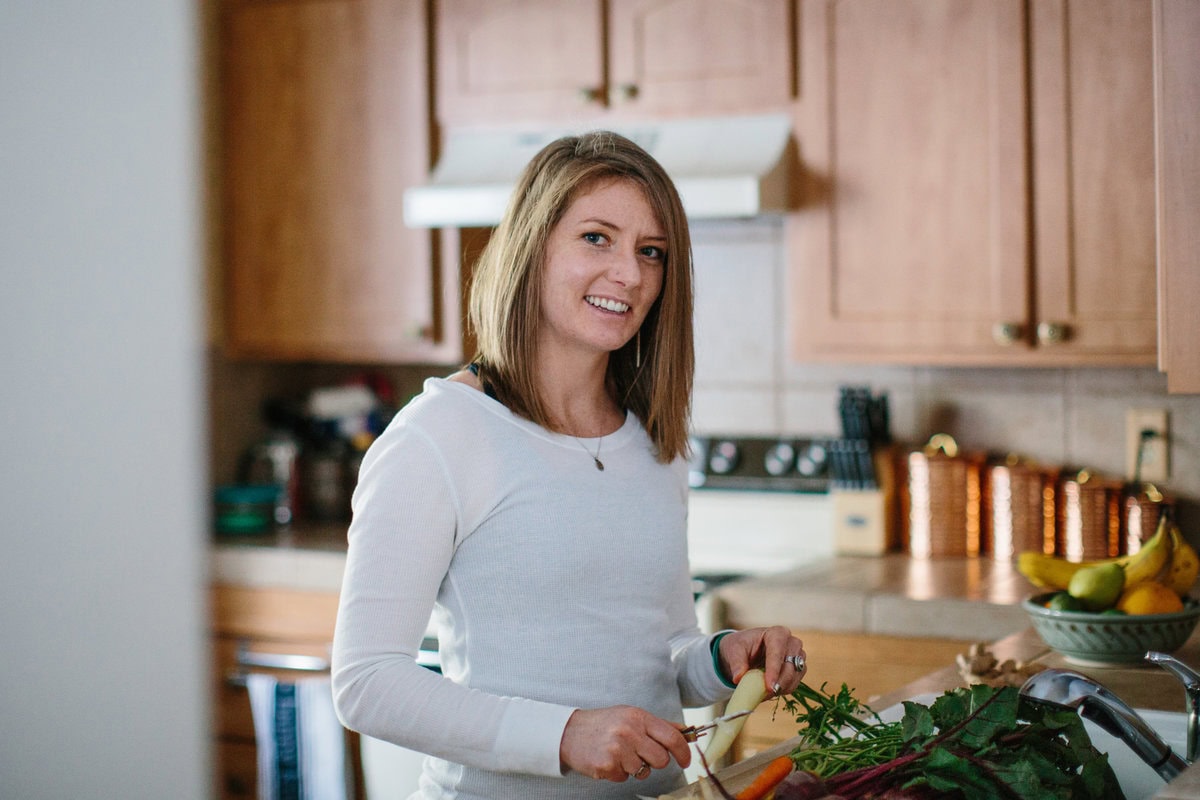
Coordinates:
(642,772)
(795,661)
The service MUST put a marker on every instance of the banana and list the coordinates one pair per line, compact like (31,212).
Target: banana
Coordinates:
(1055,572)
(1153,560)
(1048,572)
(1185,564)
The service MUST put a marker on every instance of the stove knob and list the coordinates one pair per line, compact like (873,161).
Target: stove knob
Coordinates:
(780,459)
(723,457)
(811,462)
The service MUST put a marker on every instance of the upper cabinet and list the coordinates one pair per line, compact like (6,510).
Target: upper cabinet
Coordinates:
(1177,93)
(978,182)
(324,113)
(575,60)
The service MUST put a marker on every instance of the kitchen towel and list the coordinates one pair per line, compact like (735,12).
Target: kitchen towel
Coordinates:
(301,744)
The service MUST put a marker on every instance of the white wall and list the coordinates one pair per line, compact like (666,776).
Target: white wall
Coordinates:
(102,567)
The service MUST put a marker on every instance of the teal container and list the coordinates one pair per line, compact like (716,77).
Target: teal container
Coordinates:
(244,509)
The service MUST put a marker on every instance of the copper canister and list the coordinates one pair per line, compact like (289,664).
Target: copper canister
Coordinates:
(1142,509)
(1090,517)
(1022,504)
(944,501)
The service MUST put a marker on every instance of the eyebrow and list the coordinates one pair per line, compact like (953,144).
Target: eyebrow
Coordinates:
(607,224)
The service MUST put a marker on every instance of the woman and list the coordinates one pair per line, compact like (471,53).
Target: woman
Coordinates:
(535,504)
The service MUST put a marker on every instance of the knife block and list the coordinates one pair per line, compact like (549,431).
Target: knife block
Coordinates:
(863,519)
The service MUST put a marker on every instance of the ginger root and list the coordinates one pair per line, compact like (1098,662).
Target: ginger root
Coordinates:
(980,665)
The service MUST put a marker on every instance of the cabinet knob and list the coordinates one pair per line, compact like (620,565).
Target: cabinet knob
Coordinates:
(421,332)
(1006,333)
(590,94)
(1052,332)
(624,93)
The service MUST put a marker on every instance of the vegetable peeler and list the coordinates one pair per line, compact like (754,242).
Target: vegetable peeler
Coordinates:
(694,732)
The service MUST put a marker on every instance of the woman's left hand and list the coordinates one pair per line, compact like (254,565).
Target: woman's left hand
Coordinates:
(780,655)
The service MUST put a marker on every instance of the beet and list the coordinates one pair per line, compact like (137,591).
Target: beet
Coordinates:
(801,785)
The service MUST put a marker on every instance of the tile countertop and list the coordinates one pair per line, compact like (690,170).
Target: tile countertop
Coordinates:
(975,599)
(307,558)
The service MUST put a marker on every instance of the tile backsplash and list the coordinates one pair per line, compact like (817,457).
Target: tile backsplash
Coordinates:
(745,383)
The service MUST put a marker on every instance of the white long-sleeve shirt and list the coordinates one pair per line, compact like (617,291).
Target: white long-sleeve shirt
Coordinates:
(553,585)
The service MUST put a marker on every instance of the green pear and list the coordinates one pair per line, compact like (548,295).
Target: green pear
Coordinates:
(1097,587)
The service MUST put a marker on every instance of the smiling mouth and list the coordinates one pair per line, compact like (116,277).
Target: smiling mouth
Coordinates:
(606,304)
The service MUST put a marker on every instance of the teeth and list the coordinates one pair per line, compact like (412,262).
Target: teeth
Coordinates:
(607,305)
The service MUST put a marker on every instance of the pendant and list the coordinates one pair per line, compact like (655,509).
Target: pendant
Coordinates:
(599,463)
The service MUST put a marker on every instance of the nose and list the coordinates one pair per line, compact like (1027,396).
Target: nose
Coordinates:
(625,268)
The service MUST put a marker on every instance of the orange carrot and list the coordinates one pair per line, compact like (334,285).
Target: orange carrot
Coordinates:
(774,772)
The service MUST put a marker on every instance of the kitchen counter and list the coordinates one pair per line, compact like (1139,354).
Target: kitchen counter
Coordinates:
(971,599)
(306,558)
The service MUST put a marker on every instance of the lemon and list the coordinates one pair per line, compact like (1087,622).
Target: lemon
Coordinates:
(1097,586)
(1149,598)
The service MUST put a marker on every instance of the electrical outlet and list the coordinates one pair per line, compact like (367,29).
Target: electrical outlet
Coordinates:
(1155,449)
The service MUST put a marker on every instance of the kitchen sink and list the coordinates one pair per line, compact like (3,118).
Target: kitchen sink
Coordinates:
(1138,780)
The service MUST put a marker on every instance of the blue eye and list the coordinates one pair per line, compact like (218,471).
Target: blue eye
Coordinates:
(594,238)
(654,252)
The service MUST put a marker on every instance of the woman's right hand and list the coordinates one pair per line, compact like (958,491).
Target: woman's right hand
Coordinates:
(620,742)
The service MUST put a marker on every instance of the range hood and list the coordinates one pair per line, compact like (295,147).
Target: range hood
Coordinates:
(723,167)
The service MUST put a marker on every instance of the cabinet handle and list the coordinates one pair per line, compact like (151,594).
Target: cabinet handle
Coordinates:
(246,658)
(590,94)
(625,92)
(1006,333)
(1052,332)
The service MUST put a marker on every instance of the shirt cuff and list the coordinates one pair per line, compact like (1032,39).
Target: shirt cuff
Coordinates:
(715,647)
(532,735)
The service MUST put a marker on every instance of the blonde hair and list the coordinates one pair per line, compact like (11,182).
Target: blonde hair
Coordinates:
(506,289)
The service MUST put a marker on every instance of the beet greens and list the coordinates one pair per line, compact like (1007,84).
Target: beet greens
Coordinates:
(980,743)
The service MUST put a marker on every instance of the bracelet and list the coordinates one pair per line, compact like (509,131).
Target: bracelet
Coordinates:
(716,658)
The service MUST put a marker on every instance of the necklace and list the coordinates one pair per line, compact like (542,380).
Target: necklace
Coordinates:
(595,456)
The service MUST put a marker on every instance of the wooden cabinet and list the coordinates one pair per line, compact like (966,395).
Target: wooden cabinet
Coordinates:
(261,622)
(324,110)
(1177,108)
(871,665)
(979,182)
(567,60)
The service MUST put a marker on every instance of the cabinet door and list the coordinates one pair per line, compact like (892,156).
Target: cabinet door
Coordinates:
(700,56)
(1093,166)
(912,238)
(1177,56)
(519,60)
(325,122)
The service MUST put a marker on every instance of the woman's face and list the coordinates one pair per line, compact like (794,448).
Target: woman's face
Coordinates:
(603,270)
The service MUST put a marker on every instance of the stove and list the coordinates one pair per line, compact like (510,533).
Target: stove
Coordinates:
(781,464)
(757,505)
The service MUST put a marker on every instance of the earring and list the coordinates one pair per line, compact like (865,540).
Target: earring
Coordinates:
(637,350)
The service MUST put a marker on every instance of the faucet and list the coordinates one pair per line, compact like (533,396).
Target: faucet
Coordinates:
(1191,687)
(1094,702)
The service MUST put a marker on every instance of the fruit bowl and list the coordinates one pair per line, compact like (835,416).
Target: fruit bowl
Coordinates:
(1098,639)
